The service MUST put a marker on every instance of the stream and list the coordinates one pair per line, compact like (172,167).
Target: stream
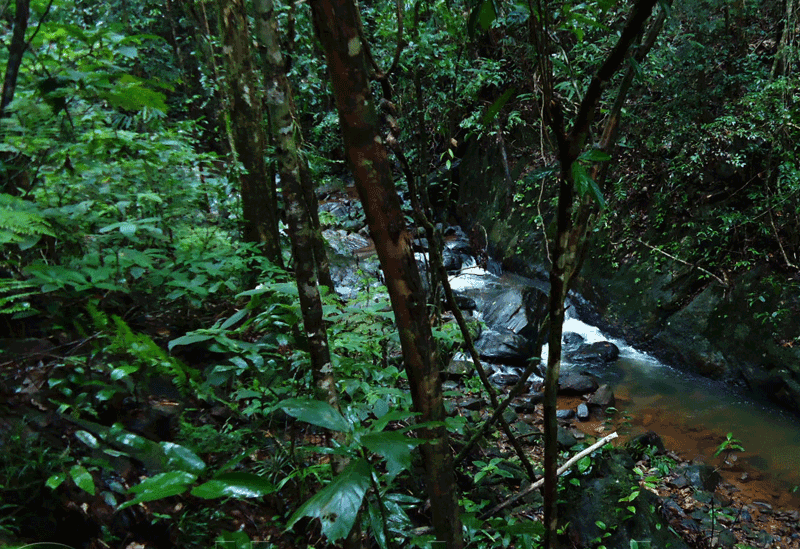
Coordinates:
(692,414)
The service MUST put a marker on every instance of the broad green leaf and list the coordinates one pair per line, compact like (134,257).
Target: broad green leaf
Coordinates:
(316,413)
(56,480)
(82,478)
(337,505)
(123,371)
(235,485)
(482,15)
(189,339)
(87,438)
(392,446)
(492,111)
(584,463)
(236,317)
(585,184)
(181,458)
(160,486)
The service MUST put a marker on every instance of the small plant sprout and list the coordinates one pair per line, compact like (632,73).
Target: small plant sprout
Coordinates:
(729,447)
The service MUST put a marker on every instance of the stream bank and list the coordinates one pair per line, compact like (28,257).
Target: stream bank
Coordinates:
(745,332)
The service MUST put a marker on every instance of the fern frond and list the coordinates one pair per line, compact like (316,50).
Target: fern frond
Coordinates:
(20,219)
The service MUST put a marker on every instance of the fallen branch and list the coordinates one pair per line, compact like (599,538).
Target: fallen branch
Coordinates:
(560,470)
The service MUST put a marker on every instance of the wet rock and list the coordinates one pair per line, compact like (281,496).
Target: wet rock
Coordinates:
(504,378)
(523,406)
(602,398)
(583,412)
(566,438)
(519,310)
(565,414)
(577,384)
(472,404)
(459,366)
(638,445)
(571,340)
(701,476)
(599,352)
(504,347)
(449,385)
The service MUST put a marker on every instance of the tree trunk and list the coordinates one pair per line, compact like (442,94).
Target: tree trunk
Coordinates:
(301,231)
(570,241)
(15,174)
(336,23)
(259,197)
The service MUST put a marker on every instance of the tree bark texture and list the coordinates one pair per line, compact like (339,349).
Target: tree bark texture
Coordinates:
(15,174)
(570,241)
(259,196)
(301,231)
(336,23)
(15,52)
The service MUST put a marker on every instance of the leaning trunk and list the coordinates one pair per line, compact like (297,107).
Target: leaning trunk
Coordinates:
(336,23)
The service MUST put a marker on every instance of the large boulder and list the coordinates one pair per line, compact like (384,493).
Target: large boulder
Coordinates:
(504,347)
(599,352)
(577,384)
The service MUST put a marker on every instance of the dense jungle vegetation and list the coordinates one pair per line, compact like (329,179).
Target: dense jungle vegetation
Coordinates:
(176,367)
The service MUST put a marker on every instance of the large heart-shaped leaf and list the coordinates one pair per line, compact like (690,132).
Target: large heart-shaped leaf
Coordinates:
(392,446)
(336,506)
(316,413)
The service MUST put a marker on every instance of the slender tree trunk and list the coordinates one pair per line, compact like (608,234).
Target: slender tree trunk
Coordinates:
(281,111)
(16,173)
(336,23)
(570,241)
(15,52)
(259,197)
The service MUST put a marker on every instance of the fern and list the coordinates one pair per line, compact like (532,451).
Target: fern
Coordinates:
(13,294)
(21,222)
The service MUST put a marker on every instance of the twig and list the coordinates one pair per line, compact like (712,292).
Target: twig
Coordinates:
(679,260)
(561,469)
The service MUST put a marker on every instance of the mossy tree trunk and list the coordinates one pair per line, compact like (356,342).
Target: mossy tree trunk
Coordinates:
(336,24)
(301,229)
(248,134)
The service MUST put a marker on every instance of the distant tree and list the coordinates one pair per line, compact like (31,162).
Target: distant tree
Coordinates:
(301,227)
(15,175)
(573,213)
(337,26)
(247,129)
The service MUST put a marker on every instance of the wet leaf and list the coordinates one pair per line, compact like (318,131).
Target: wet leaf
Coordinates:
(235,485)
(337,505)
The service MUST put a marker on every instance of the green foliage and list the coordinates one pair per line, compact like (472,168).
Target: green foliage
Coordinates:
(729,446)
(20,222)
(337,505)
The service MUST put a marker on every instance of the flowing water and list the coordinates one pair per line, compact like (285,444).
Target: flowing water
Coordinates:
(691,413)
(694,414)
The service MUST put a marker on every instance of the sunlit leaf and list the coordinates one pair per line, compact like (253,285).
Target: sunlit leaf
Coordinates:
(87,438)
(82,478)
(181,458)
(235,485)
(55,480)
